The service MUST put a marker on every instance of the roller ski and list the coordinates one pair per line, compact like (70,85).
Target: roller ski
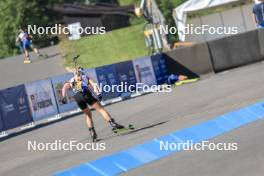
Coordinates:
(27,61)
(187,81)
(125,129)
(117,128)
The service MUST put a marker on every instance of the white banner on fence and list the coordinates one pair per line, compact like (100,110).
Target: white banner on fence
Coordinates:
(58,83)
(144,71)
(41,99)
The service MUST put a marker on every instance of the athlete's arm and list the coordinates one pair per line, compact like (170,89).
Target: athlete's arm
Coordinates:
(17,40)
(255,19)
(30,37)
(95,86)
(254,12)
(65,88)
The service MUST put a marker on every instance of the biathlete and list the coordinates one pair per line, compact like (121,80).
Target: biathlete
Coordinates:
(84,88)
(24,40)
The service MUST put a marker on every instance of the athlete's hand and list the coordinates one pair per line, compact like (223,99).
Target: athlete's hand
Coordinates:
(64,100)
(100,97)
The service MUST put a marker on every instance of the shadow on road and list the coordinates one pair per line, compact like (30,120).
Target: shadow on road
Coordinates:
(133,131)
(47,57)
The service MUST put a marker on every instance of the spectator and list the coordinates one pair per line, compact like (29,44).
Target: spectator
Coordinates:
(258,14)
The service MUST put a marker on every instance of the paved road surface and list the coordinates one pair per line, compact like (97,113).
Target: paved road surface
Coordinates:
(14,72)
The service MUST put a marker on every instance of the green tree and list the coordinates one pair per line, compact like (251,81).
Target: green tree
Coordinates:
(167,7)
(104,1)
(20,13)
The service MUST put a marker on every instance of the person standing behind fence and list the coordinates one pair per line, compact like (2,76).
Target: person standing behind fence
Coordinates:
(258,14)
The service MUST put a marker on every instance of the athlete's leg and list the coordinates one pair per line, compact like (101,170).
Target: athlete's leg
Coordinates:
(20,45)
(27,54)
(26,49)
(35,49)
(82,104)
(89,118)
(80,100)
(90,124)
(99,108)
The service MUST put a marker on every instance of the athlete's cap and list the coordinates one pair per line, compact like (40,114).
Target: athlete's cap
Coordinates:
(79,70)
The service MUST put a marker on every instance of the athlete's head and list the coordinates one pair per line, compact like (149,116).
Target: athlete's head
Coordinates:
(79,71)
(20,30)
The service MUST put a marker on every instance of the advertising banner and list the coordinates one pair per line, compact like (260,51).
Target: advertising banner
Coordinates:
(127,76)
(1,123)
(160,68)
(108,80)
(41,99)
(14,107)
(58,83)
(91,74)
(144,71)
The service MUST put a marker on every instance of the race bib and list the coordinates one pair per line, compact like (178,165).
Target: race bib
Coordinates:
(79,84)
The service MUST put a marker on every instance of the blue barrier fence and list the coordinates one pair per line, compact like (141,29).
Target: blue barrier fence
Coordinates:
(41,99)
(15,109)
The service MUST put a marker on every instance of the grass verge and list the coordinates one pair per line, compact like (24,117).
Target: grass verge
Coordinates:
(115,46)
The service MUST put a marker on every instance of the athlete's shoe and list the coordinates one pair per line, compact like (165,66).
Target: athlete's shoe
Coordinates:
(115,125)
(27,61)
(93,134)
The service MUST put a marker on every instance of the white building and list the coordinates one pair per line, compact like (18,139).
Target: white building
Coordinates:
(238,19)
